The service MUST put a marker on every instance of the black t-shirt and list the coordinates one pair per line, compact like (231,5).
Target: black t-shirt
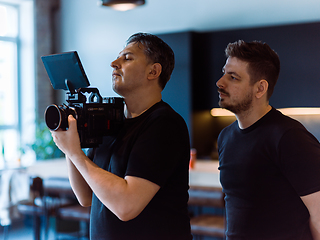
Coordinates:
(154,146)
(264,170)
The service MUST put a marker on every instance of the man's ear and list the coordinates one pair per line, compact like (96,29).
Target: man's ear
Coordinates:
(155,71)
(262,88)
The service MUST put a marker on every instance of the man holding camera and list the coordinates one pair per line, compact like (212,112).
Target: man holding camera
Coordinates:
(137,181)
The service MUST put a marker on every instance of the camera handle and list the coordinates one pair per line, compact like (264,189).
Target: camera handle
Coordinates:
(94,94)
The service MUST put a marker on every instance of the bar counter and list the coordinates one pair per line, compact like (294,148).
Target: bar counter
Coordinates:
(205,174)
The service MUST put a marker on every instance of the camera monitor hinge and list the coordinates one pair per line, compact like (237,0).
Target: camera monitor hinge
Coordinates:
(70,87)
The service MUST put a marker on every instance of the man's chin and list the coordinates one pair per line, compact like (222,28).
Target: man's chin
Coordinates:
(222,104)
(115,89)
(226,107)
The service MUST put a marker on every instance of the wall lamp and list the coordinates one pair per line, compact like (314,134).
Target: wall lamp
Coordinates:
(219,112)
(300,111)
(122,5)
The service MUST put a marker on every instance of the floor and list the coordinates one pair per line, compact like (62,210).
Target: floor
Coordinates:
(22,230)
(18,231)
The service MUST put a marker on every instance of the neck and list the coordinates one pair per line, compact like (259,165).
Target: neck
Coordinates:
(246,119)
(135,106)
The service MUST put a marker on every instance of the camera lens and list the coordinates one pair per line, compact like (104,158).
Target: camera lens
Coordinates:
(55,118)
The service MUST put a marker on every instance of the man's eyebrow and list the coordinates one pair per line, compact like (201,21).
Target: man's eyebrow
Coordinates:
(234,73)
(125,53)
(230,73)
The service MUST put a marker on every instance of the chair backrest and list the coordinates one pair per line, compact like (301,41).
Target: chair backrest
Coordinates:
(206,196)
(58,186)
(36,186)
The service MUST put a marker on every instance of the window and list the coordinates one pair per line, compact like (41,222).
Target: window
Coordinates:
(16,72)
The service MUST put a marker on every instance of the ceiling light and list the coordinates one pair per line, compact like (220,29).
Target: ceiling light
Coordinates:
(300,111)
(122,5)
(220,112)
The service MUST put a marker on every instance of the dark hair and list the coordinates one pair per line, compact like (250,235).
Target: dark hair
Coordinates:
(263,62)
(157,51)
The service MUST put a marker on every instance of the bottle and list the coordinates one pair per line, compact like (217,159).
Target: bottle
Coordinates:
(193,158)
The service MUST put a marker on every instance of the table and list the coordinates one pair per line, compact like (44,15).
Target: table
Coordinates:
(49,168)
(206,191)
(205,174)
(14,187)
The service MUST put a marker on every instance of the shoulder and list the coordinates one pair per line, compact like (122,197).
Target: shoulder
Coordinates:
(229,129)
(282,124)
(163,108)
(163,112)
(281,119)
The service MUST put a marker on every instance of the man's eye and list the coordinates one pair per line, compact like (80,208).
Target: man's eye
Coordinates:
(127,57)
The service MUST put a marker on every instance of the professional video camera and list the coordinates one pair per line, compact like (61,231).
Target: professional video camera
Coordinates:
(96,116)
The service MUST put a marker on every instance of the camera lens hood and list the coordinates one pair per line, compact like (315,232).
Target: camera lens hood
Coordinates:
(55,118)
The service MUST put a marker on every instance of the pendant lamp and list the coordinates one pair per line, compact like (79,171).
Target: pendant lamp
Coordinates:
(122,5)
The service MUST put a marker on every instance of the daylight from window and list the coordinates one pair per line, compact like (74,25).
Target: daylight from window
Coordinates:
(11,77)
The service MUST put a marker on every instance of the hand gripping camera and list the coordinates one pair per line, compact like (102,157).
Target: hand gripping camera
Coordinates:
(96,116)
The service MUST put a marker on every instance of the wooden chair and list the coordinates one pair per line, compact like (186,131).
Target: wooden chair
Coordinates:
(78,214)
(48,196)
(207,224)
(71,215)
(34,206)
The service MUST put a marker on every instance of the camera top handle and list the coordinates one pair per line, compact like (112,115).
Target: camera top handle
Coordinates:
(94,97)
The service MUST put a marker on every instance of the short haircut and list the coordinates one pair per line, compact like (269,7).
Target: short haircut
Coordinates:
(263,62)
(157,51)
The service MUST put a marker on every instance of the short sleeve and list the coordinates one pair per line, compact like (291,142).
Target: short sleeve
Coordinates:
(300,160)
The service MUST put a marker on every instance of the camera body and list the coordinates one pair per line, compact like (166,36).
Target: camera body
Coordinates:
(96,116)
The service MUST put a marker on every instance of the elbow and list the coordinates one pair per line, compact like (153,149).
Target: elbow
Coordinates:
(84,204)
(125,214)
(84,201)
(126,218)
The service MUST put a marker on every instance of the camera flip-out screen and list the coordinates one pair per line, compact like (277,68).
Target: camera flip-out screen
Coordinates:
(65,66)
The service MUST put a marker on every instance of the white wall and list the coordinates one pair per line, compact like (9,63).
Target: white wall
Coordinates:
(93,31)
(84,28)
(99,33)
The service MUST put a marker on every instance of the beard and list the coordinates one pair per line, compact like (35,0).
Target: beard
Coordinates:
(239,107)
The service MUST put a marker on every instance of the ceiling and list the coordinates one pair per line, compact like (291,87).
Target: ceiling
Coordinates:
(160,16)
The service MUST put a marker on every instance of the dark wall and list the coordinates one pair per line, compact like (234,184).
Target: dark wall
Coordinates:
(178,90)
(298,47)
(192,90)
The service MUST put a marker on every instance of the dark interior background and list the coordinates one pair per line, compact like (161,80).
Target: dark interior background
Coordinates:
(199,61)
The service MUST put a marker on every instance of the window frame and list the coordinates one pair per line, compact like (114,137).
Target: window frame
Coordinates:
(24,125)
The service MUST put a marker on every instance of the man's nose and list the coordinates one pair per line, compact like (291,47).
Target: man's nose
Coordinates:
(219,83)
(115,64)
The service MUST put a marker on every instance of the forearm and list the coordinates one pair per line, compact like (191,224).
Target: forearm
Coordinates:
(315,228)
(86,177)
(79,186)
(125,197)
(311,201)
(111,190)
